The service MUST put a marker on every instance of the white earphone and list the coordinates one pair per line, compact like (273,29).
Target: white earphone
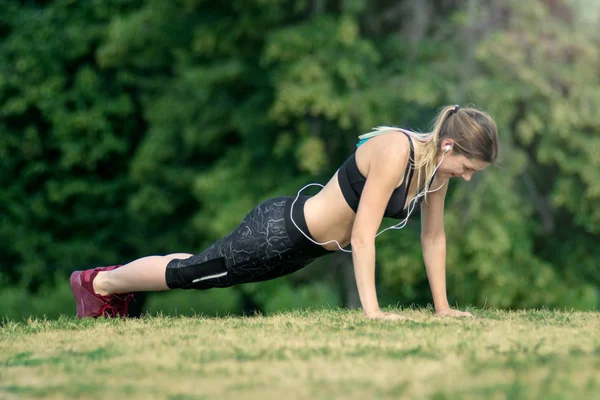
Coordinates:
(411,205)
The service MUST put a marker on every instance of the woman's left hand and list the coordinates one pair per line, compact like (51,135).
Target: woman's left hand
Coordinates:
(453,313)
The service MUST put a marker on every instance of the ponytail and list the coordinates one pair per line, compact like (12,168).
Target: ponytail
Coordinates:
(432,145)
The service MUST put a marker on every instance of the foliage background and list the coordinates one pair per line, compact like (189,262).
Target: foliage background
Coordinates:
(137,127)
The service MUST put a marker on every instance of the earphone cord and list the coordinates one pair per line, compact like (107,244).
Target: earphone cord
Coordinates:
(411,205)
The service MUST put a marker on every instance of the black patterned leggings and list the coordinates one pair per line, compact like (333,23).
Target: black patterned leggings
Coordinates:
(265,245)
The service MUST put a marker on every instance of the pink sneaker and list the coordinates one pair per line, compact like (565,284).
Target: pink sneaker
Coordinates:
(91,304)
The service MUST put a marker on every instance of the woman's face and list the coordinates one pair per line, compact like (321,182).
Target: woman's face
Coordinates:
(454,166)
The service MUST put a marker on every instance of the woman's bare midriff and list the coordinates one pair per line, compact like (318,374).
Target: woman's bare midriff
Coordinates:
(327,214)
(329,217)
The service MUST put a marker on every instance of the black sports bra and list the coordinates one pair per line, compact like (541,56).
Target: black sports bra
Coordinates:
(352,184)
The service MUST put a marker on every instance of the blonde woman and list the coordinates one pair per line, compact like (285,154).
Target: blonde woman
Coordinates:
(391,172)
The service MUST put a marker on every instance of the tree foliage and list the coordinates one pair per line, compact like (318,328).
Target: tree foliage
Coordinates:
(135,127)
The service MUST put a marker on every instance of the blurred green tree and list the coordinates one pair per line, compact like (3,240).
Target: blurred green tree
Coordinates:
(143,127)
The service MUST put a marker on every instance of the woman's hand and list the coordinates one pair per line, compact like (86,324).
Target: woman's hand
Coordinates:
(385,315)
(447,311)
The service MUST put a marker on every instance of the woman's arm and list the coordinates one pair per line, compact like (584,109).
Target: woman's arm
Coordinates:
(386,169)
(433,243)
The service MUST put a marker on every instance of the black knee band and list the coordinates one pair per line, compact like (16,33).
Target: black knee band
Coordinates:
(189,273)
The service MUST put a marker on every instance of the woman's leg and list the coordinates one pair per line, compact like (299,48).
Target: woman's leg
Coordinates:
(143,274)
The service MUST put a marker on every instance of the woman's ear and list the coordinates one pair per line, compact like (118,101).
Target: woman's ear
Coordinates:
(447,145)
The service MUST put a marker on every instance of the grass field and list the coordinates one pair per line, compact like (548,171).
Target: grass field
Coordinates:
(306,355)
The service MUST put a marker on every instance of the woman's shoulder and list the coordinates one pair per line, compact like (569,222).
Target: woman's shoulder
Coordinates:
(394,142)
(390,150)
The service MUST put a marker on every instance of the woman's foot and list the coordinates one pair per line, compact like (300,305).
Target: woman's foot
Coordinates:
(93,305)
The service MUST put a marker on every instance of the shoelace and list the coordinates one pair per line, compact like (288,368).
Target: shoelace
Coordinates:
(121,304)
(108,309)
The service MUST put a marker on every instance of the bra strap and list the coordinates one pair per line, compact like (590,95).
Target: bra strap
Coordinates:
(408,166)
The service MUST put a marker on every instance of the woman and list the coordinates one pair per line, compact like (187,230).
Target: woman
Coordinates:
(389,174)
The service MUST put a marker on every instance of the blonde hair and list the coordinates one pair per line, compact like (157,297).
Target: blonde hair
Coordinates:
(474,133)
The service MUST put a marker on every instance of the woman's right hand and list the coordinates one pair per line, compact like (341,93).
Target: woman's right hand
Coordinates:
(385,315)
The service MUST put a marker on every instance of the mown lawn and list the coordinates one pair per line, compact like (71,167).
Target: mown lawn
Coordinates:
(325,354)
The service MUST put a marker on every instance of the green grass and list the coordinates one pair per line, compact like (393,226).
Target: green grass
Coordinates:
(305,354)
